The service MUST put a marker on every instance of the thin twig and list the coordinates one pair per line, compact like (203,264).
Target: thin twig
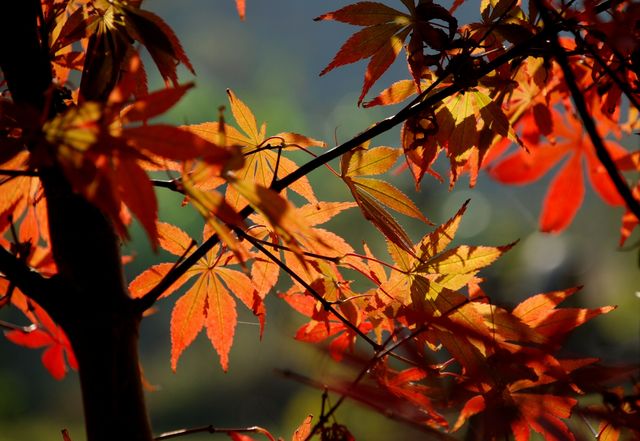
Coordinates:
(171,184)
(370,364)
(13,327)
(586,422)
(277,246)
(581,106)
(325,303)
(209,429)
(606,5)
(343,394)
(383,126)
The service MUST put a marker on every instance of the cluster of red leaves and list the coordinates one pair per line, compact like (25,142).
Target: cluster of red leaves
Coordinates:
(501,367)
(27,244)
(524,100)
(502,363)
(103,144)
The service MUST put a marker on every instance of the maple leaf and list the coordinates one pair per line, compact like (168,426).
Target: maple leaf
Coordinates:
(399,393)
(46,334)
(262,163)
(427,270)
(371,194)
(13,197)
(31,246)
(423,290)
(520,412)
(510,400)
(405,384)
(567,189)
(103,154)
(466,125)
(312,243)
(530,102)
(385,30)
(207,303)
(540,313)
(324,325)
(113,28)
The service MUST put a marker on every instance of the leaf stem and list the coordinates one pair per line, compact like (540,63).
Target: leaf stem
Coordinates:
(373,259)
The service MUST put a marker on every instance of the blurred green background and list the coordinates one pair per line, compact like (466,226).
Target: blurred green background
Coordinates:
(272,61)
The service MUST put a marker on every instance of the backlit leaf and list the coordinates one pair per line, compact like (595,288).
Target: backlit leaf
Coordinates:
(303,431)
(394,94)
(373,161)
(381,39)
(241,6)
(188,318)
(173,239)
(390,196)
(363,14)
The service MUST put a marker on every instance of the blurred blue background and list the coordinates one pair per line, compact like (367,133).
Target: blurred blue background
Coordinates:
(272,61)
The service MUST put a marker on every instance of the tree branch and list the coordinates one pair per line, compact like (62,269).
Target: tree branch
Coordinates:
(383,126)
(16,173)
(581,106)
(29,281)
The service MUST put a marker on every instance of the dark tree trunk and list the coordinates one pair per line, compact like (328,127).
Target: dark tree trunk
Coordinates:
(90,300)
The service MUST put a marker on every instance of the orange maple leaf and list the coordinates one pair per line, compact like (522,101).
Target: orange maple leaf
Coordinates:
(260,151)
(207,303)
(371,194)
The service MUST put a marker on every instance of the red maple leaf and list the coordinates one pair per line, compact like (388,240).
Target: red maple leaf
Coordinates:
(46,334)
(567,189)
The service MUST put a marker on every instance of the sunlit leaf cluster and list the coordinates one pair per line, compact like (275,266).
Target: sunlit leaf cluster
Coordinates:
(549,88)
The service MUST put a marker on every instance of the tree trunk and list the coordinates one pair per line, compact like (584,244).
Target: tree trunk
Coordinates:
(97,314)
(107,352)
(92,303)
